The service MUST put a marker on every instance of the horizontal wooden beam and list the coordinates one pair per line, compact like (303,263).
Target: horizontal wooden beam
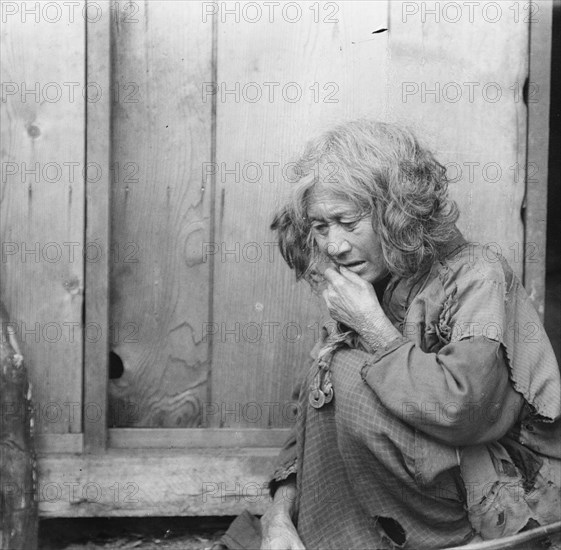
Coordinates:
(166,438)
(59,443)
(176,438)
(155,482)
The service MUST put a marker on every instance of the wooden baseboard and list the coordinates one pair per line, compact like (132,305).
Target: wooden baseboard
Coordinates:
(164,438)
(59,443)
(178,438)
(155,482)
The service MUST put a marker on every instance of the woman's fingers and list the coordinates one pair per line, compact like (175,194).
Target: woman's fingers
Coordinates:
(352,276)
(331,275)
(344,277)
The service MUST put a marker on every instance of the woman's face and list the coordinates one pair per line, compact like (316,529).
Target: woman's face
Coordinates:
(347,238)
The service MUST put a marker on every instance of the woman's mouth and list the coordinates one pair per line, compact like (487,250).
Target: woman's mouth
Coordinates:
(354,266)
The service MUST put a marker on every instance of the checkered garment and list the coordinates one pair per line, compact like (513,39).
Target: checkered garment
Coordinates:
(452,430)
(356,462)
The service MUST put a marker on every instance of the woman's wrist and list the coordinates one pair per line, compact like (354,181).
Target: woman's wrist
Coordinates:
(377,330)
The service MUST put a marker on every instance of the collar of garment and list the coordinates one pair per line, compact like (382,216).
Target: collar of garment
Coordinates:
(400,291)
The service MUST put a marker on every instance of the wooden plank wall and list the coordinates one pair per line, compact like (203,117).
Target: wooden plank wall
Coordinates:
(42,204)
(266,324)
(458,78)
(273,85)
(160,207)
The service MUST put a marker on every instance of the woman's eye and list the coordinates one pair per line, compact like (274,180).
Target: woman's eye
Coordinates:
(349,225)
(320,228)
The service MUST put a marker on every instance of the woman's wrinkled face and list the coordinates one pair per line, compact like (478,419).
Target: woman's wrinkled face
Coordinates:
(347,237)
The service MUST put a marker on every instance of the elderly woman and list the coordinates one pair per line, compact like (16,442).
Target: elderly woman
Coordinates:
(430,416)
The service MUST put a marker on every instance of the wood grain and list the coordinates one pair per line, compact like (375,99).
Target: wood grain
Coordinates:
(19,522)
(60,443)
(42,210)
(265,323)
(160,212)
(478,129)
(148,482)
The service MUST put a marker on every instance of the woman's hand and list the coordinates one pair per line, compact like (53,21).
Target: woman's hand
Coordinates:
(279,532)
(352,301)
(349,298)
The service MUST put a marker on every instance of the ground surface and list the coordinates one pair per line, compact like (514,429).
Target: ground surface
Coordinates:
(131,533)
(158,534)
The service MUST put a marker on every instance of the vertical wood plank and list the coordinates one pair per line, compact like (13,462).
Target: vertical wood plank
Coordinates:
(535,213)
(98,152)
(160,214)
(278,84)
(42,203)
(458,78)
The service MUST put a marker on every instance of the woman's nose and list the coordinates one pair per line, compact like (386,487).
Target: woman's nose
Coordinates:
(337,243)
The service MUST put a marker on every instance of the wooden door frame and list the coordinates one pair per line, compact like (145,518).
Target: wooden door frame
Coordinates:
(535,204)
(97,438)
(97,233)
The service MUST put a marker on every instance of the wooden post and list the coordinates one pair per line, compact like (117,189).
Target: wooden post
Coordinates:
(98,146)
(535,211)
(18,503)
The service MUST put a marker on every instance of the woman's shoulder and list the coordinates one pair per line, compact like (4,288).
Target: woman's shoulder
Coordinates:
(476,262)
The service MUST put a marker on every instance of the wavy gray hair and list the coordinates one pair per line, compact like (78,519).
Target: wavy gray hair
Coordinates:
(383,170)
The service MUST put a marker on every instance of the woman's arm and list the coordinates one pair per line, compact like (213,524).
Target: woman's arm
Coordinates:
(460,395)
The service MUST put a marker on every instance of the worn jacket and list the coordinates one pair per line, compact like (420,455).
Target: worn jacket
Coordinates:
(472,367)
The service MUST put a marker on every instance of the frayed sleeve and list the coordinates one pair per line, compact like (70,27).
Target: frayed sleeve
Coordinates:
(461,394)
